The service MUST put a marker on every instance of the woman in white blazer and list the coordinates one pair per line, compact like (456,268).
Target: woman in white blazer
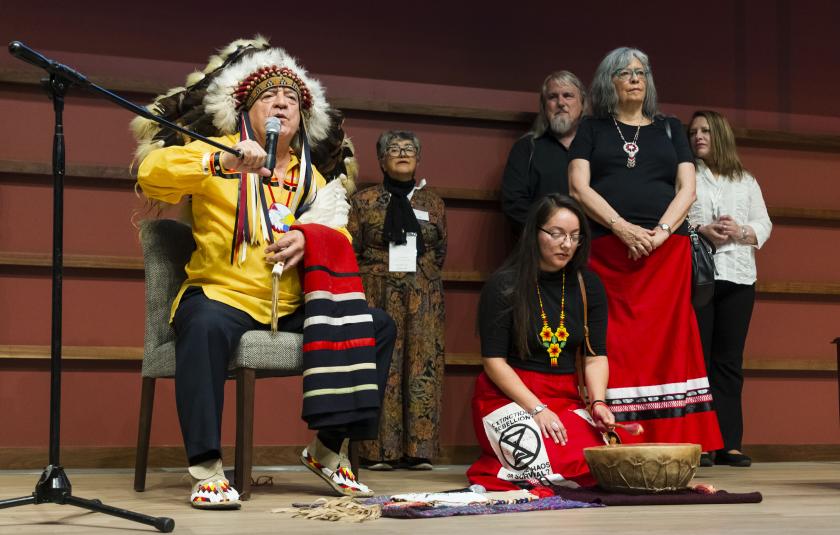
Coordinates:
(730,211)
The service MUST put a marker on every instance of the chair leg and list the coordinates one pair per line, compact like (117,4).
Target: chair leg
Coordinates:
(245,379)
(353,453)
(144,431)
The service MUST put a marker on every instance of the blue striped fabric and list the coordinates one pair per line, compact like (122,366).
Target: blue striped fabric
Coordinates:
(339,361)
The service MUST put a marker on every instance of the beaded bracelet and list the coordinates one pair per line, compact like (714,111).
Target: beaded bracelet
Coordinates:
(595,402)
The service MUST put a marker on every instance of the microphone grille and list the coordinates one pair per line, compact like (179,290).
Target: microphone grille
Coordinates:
(272,125)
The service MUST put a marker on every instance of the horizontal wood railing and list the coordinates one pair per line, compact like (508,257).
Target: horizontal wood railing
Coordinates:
(128,263)
(744,136)
(117,174)
(82,261)
(130,353)
(38,352)
(121,177)
(790,215)
(750,363)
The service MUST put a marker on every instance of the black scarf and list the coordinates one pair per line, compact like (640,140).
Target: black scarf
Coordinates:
(399,216)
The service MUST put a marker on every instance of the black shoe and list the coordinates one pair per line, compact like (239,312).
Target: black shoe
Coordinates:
(706,460)
(732,459)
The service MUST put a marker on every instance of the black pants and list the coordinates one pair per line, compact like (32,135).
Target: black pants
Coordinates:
(724,323)
(207,334)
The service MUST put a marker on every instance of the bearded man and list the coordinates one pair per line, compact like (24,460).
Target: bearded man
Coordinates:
(539,160)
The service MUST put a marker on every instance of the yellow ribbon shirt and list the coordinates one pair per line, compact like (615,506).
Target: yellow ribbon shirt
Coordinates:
(170,173)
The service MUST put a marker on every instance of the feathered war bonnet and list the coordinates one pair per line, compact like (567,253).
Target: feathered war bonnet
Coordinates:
(215,103)
(238,85)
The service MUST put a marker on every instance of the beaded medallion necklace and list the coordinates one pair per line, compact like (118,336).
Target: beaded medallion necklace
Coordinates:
(630,148)
(554,341)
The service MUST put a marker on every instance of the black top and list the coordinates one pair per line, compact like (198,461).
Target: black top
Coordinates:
(640,194)
(535,167)
(495,319)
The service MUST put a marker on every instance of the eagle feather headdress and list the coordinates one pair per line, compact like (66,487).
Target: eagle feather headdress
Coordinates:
(214,103)
(208,105)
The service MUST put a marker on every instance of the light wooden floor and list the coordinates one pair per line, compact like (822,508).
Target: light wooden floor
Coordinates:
(798,498)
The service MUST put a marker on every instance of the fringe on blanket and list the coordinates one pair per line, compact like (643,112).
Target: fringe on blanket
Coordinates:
(345,509)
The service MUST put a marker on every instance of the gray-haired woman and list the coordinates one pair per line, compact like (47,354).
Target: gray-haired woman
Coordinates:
(633,172)
(399,234)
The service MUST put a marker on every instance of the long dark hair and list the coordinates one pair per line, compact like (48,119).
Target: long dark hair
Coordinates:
(522,267)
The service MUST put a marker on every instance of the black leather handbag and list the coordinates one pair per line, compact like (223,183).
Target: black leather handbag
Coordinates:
(702,268)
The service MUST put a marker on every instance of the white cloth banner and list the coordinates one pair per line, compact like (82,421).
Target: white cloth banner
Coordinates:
(519,445)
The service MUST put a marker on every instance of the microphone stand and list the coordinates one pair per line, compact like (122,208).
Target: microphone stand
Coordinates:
(54,485)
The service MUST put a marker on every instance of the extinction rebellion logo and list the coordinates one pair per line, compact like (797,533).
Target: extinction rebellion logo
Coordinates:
(520,445)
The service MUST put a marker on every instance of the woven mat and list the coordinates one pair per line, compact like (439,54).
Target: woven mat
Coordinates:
(551,503)
(679,497)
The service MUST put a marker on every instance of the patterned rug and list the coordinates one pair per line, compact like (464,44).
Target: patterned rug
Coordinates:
(678,497)
(551,503)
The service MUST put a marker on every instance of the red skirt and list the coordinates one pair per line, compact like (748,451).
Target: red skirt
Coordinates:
(512,446)
(657,372)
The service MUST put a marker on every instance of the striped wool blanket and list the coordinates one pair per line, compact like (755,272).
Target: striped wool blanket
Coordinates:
(339,362)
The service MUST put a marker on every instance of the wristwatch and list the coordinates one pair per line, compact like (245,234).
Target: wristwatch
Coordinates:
(538,409)
(666,227)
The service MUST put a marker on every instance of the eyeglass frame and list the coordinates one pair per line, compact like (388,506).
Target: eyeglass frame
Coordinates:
(574,239)
(400,151)
(631,73)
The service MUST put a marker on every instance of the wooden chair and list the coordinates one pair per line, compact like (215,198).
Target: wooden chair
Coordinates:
(167,246)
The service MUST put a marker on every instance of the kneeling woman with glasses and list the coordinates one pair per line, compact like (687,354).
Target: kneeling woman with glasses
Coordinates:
(399,235)
(529,417)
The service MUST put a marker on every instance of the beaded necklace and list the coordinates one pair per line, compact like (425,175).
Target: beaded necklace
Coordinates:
(632,148)
(554,341)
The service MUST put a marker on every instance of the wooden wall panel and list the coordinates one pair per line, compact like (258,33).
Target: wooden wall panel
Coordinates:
(96,131)
(24,309)
(24,395)
(104,412)
(795,178)
(461,326)
(98,311)
(96,220)
(479,239)
(461,154)
(793,329)
(698,59)
(770,75)
(799,410)
(800,253)
(456,425)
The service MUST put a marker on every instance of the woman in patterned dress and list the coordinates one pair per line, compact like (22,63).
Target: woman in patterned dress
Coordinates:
(399,235)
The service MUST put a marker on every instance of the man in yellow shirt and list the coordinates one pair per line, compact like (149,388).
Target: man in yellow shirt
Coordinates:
(242,217)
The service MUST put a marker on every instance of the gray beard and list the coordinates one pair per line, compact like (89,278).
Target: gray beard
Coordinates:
(561,125)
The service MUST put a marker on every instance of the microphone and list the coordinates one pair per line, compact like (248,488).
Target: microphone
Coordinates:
(272,130)
(20,50)
(33,57)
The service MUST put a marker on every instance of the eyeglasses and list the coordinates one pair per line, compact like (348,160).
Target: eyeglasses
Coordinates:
(395,151)
(626,74)
(559,235)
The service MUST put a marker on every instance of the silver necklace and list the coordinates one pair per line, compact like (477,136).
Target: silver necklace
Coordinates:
(630,148)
